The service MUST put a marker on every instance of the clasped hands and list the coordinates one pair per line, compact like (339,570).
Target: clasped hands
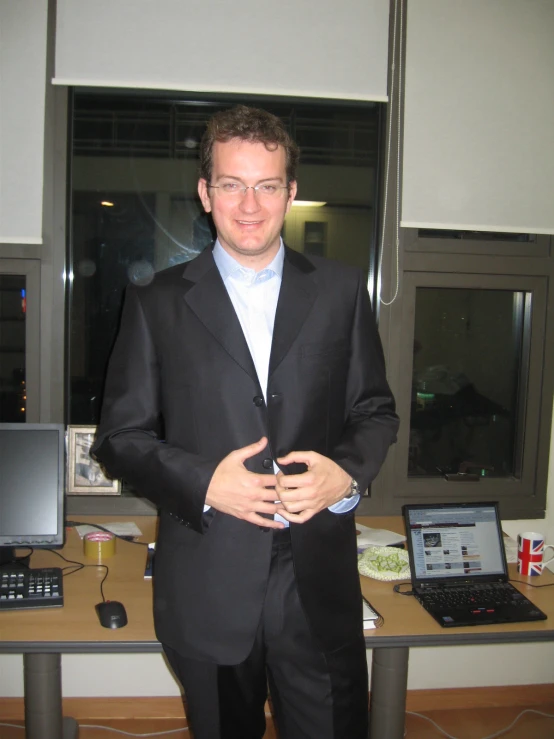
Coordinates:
(235,490)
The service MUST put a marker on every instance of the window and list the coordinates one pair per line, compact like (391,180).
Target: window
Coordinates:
(429,280)
(470,354)
(19,340)
(471,369)
(13,306)
(135,210)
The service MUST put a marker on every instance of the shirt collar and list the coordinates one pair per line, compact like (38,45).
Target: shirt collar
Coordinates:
(228,265)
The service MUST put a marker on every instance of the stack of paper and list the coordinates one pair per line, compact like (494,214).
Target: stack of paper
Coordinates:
(510,545)
(369,537)
(371,617)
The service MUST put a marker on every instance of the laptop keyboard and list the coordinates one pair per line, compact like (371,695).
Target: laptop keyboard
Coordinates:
(482,595)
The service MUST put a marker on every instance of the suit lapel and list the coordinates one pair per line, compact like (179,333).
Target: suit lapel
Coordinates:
(296,298)
(209,300)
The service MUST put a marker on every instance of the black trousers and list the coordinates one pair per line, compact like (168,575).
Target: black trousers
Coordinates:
(315,695)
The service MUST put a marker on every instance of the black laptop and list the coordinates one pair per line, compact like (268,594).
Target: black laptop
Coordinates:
(458,565)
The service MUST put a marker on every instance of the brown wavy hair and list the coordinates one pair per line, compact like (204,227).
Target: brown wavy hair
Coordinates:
(247,124)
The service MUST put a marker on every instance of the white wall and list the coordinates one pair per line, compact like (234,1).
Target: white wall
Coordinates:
(138,675)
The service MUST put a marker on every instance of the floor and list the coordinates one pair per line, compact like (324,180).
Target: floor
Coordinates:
(461,724)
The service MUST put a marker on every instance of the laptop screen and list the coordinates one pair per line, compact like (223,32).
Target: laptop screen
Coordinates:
(457,540)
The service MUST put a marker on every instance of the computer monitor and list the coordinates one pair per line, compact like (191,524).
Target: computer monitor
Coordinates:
(32,486)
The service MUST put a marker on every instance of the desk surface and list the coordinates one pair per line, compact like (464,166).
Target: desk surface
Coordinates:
(408,624)
(75,627)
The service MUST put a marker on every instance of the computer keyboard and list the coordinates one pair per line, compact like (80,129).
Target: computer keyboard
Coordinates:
(37,588)
(478,594)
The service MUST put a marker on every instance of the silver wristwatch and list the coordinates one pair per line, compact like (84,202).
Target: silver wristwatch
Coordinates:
(354,489)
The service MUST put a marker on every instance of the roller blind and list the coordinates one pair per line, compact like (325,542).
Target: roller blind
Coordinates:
(304,48)
(479,116)
(23,26)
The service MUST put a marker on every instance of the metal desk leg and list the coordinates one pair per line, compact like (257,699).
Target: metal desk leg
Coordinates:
(389,680)
(43,699)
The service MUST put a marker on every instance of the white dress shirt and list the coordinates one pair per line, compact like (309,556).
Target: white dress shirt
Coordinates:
(254,296)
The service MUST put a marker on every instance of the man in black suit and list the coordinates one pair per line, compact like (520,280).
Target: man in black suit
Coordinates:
(246,396)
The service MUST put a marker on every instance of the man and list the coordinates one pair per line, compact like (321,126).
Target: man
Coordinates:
(246,397)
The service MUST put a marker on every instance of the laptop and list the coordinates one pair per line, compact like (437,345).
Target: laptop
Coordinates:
(458,565)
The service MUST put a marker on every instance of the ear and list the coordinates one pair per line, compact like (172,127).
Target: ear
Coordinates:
(292,194)
(203,192)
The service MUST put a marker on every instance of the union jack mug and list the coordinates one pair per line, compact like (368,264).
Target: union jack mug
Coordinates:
(530,553)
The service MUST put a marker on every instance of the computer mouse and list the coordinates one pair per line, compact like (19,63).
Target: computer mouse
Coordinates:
(111,614)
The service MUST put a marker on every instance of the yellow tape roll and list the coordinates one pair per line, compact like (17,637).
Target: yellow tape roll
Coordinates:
(99,545)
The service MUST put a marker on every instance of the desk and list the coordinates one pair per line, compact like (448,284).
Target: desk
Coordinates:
(407,625)
(42,636)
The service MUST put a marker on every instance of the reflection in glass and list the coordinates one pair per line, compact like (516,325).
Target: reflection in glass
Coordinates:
(135,208)
(13,397)
(466,373)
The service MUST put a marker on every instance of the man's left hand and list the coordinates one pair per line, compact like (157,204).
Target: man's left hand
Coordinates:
(302,496)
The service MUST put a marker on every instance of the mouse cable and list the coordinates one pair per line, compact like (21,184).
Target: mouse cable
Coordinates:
(129,539)
(80,566)
(546,584)
(489,736)
(396,589)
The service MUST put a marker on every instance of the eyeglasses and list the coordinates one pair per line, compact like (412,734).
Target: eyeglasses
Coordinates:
(236,190)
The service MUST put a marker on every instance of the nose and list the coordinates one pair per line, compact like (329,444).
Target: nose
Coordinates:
(249,202)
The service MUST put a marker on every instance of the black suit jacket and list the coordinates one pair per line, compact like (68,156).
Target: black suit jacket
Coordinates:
(182,392)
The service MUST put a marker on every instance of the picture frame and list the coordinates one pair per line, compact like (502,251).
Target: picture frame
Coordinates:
(85,476)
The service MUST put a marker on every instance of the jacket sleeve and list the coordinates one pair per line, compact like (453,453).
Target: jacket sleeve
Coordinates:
(371,422)
(130,436)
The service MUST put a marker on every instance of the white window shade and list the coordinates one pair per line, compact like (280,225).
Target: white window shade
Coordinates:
(303,48)
(22,98)
(479,116)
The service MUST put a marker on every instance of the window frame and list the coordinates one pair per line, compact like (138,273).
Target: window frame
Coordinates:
(539,247)
(519,497)
(30,269)
(133,504)
(404,252)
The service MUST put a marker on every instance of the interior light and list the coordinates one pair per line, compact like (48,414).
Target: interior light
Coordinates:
(308,203)
(107,203)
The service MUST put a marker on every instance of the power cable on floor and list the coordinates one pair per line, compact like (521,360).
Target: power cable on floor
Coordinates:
(410,713)
(490,736)
(110,728)
(128,733)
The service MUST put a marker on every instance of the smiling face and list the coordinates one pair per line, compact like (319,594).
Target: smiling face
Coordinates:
(248,226)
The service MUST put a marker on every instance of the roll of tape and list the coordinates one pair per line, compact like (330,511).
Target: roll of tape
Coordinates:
(99,545)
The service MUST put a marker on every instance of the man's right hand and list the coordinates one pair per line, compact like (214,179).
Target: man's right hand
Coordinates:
(243,494)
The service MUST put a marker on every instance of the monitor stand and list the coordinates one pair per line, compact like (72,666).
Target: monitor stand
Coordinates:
(9,559)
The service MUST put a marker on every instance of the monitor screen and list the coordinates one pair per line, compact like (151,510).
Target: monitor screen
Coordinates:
(32,485)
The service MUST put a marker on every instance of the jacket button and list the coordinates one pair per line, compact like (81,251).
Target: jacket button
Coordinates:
(267,464)
(258,400)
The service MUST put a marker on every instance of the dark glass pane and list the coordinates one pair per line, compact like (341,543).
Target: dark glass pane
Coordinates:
(466,375)
(135,208)
(112,245)
(13,396)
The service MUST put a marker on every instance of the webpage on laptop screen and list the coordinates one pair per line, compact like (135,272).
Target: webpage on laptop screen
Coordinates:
(455,542)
